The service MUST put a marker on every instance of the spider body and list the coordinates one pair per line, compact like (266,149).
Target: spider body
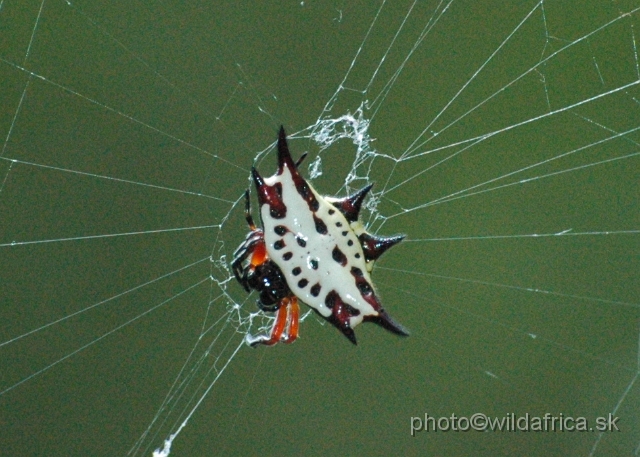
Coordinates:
(313,248)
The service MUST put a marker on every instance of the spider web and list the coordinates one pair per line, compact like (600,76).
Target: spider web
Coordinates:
(503,140)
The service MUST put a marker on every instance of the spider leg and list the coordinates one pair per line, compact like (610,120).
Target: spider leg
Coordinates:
(253,249)
(300,160)
(247,210)
(293,321)
(277,329)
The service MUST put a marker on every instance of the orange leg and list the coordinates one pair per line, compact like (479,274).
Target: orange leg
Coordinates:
(279,324)
(293,320)
(287,318)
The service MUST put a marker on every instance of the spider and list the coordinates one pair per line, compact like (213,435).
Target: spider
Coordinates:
(311,248)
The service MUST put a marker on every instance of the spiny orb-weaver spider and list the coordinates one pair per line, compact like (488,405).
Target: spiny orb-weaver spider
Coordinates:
(313,248)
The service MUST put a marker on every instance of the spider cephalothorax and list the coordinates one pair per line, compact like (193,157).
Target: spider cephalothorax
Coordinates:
(313,248)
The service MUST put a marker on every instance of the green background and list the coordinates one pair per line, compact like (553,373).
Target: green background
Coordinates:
(121,117)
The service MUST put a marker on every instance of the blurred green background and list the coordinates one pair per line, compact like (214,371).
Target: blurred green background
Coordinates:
(138,117)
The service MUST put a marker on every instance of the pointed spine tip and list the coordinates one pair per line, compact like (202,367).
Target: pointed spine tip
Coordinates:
(284,156)
(384,320)
(350,334)
(356,200)
(257,179)
(350,205)
(374,246)
(262,190)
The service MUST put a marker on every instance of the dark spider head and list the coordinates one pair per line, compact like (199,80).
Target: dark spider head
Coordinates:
(269,281)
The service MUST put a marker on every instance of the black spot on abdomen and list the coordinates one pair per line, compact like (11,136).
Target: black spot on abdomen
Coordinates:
(333,299)
(321,227)
(361,283)
(339,256)
(330,300)
(315,290)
